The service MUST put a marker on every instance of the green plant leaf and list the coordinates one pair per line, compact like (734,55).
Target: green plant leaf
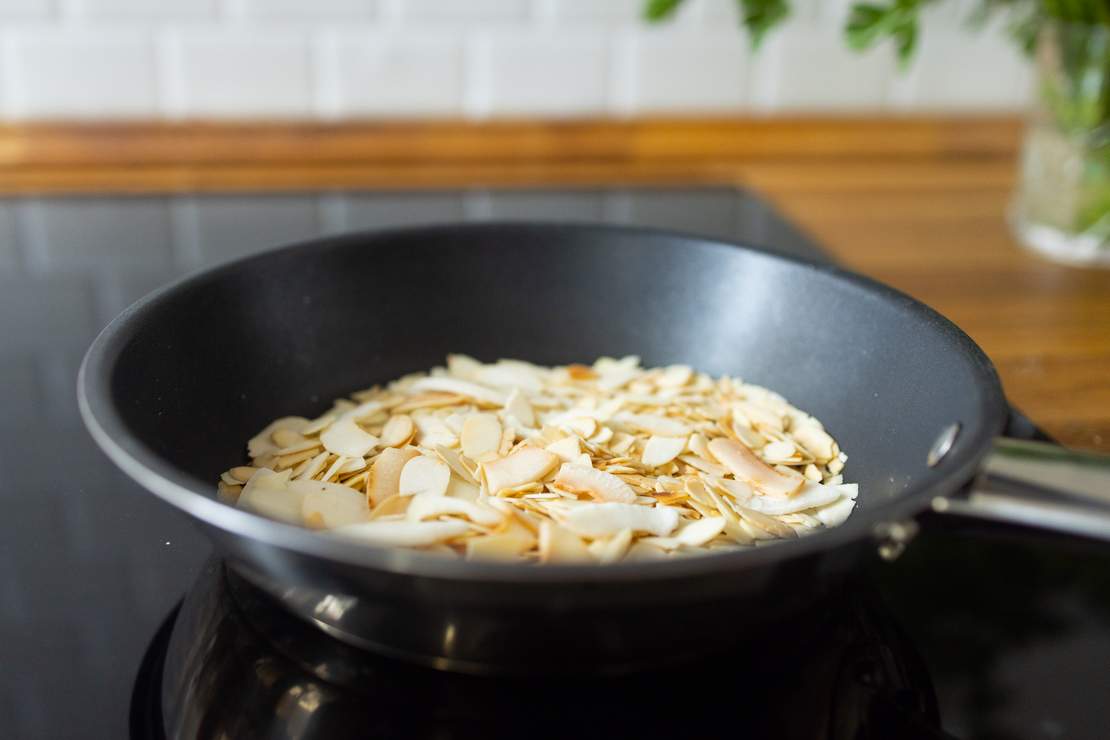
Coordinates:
(657,10)
(760,16)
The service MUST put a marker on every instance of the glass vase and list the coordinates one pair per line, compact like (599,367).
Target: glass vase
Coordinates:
(1062,205)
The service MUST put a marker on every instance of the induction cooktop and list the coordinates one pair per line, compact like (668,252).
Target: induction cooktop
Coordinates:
(116,619)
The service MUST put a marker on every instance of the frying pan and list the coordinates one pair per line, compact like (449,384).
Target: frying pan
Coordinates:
(172,388)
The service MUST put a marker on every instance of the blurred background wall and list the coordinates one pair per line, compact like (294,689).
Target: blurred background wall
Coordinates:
(346,59)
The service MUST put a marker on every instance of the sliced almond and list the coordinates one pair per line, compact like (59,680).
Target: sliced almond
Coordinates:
(481,437)
(661,450)
(457,465)
(268,493)
(526,465)
(423,474)
(517,406)
(811,496)
(566,448)
(603,520)
(611,549)
(746,466)
(385,473)
(393,506)
(427,506)
(462,388)
(505,546)
(768,524)
(398,431)
(345,437)
(654,424)
(331,504)
(313,467)
(462,489)
(384,533)
(599,484)
(696,534)
(816,441)
(263,443)
(242,473)
(559,545)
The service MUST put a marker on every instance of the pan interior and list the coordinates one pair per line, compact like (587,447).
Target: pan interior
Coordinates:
(198,369)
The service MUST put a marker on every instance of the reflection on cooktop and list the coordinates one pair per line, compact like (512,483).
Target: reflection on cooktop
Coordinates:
(236,665)
(1014,633)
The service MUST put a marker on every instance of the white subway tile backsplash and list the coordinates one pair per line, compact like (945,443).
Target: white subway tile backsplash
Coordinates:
(80,74)
(700,71)
(316,10)
(955,70)
(338,59)
(804,68)
(25,8)
(383,74)
(461,10)
(547,74)
(143,9)
(594,11)
(239,74)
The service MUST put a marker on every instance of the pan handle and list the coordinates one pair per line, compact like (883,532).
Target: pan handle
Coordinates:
(1041,485)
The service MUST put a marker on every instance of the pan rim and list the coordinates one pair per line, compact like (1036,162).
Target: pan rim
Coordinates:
(183,491)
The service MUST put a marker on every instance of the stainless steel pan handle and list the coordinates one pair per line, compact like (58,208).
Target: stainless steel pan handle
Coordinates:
(1040,485)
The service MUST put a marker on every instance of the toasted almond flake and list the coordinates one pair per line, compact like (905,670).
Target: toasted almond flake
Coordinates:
(700,447)
(811,495)
(566,448)
(653,424)
(462,489)
(331,504)
(481,437)
(675,376)
(313,467)
(227,493)
(427,506)
(288,461)
(526,465)
(779,451)
(345,437)
(704,465)
(641,551)
(456,463)
(602,435)
(229,479)
(461,388)
(517,407)
(286,438)
(583,426)
(662,543)
(268,493)
(402,533)
(581,372)
(242,473)
(696,534)
(835,513)
(423,474)
(584,460)
(746,466)
(767,523)
(504,546)
(395,505)
(599,484)
(759,415)
(835,466)
(559,545)
(816,441)
(735,531)
(335,468)
(398,431)
(812,472)
(612,549)
(385,473)
(661,450)
(262,443)
(607,519)
(463,366)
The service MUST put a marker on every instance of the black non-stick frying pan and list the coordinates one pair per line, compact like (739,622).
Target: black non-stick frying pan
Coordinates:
(173,387)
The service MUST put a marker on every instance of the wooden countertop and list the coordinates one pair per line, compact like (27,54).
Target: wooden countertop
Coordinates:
(917,203)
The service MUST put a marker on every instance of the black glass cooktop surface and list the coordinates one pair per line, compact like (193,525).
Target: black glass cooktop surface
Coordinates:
(971,634)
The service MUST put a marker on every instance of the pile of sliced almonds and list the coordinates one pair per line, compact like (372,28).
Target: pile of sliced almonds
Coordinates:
(514,461)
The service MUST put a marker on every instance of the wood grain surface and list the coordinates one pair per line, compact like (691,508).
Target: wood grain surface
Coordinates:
(918,203)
